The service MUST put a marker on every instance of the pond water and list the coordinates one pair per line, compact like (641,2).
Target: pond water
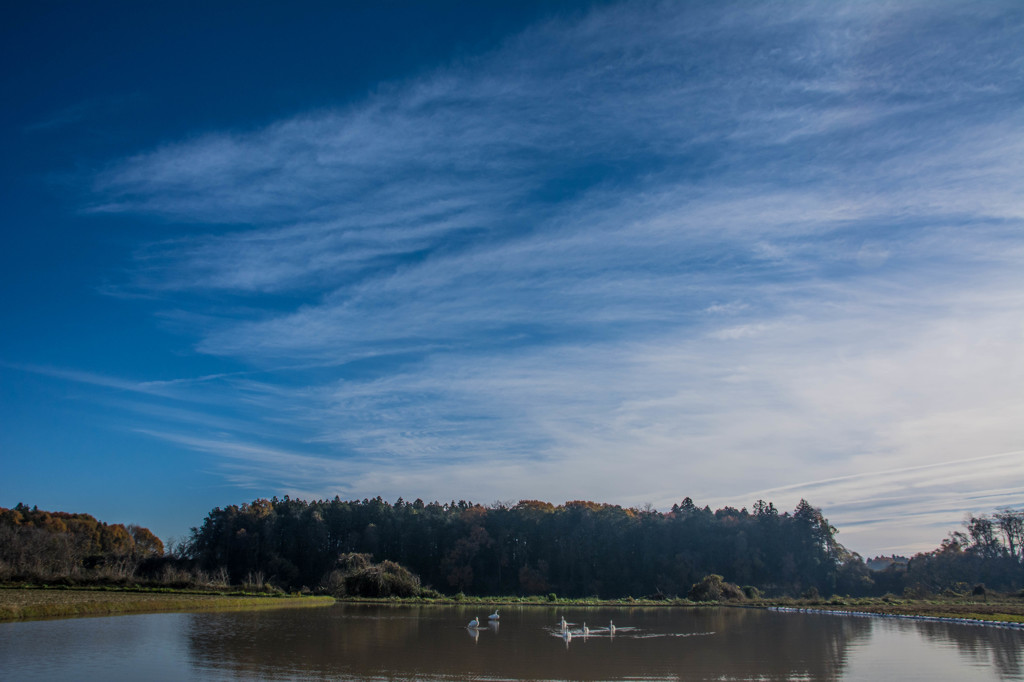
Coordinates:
(353,642)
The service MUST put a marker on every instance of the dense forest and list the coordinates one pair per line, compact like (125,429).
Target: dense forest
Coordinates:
(373,547)
(45,545)
(577,549)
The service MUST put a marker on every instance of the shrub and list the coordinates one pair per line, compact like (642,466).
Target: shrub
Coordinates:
(714,588)
(356,575)
(916,591)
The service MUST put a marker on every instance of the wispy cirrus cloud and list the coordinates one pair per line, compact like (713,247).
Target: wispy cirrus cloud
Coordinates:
(928,497)
(641,253)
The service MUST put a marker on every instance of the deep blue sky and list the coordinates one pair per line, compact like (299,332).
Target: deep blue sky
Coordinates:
(628,252)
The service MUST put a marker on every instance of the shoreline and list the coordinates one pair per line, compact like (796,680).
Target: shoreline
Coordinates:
(19,603)
(1013,625)
(37,603)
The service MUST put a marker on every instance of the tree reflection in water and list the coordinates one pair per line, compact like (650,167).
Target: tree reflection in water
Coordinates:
(988,646)
(358,642)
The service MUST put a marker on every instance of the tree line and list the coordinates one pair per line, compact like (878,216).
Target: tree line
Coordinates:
(43,545)
(579,549)
(989,551)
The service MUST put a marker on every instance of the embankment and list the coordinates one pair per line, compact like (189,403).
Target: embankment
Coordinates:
(29,603)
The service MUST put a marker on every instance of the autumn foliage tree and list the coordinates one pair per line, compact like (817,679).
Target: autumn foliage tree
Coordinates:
(44,545)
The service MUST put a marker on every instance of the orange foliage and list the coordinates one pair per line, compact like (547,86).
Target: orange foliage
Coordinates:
(92,536)
(474,514)
(536,505)
(584,505)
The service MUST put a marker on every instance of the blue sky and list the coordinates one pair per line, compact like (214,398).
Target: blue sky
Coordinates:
(627,252)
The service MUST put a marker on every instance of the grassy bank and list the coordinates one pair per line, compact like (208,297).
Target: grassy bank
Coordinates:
(28,603)
(1004,609)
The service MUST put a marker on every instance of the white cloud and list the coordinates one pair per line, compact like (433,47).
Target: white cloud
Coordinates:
(651,252)
(828,400)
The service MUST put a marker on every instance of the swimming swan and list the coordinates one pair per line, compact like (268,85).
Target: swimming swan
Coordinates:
(475,623)
(494,616)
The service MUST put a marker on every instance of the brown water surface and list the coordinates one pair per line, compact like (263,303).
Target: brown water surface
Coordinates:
(352,642)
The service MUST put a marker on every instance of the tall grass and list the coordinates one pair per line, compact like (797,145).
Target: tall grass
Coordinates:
(26,603)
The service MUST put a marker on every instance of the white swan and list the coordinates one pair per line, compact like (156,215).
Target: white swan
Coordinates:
(475,623)
(494,616)
(611,626)
(586,630)
(563,624)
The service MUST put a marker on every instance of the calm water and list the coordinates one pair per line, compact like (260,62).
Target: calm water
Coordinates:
(347,642)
